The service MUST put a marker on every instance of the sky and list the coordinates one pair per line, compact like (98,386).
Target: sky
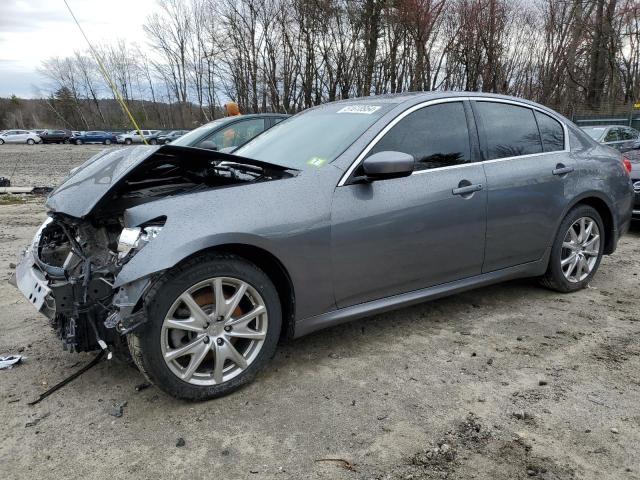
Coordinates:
(33,30)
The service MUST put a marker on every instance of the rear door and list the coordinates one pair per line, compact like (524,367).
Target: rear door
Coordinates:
(528,168)
(398,235)
(20,136)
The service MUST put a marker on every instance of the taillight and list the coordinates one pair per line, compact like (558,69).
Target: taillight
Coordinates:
(627,164)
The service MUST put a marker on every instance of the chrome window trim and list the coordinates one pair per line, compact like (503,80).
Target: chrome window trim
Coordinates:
(532,107)
(390,125)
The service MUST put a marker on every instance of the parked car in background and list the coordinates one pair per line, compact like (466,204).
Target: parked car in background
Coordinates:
(94,136)
(166,136)
(229,133)
(19,136)
(37,131)
(345,210)
(56,136)
(134,137)
(616,136)
(634,159)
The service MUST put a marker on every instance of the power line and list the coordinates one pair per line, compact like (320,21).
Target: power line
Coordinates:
(106,75)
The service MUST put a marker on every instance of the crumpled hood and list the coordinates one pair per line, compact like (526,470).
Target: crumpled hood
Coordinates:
(79,193)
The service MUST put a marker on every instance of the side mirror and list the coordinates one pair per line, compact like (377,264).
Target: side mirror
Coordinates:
(209,145)
(389,164)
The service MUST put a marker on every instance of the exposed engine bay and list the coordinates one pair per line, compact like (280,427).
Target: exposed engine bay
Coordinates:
(69,271)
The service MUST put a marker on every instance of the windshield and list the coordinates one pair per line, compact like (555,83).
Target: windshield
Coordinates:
(594,132)
(313,138)
(191,138)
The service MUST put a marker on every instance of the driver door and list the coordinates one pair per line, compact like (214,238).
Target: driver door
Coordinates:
(397,235)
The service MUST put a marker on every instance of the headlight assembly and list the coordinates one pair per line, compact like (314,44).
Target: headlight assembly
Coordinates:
(136,238)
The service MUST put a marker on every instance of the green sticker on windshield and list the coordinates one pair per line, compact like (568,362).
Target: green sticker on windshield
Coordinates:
(317,161)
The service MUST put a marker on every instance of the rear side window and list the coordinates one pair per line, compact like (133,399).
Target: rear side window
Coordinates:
(437,136)
(551,132)
(510,130)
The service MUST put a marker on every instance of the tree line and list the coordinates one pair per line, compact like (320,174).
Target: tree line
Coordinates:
(288,55)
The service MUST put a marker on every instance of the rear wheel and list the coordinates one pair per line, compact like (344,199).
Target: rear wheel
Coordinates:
(127,141)
(153,141)
(107,142)
(78,142)
(577,250)
(1,142)
(212,324)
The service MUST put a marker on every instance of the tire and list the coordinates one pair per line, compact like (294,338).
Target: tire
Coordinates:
(65,141)
(1,142)
(107,142)
(127,141)
(150,343)
(153,141)
(30,141)
(78,142)
(555,278)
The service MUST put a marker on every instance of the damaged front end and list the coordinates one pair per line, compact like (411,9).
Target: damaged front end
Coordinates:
(69,271)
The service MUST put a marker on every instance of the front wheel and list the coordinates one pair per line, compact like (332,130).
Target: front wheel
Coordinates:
(1,142)
(212,324)
(153,141)
(127,141)
(31,141)
(107,142)
(78,142)
(577,250)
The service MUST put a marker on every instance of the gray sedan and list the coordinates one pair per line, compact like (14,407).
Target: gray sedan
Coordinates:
(615,136)
(197,262)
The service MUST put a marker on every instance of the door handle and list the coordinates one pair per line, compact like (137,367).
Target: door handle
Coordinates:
(562,170)
(467,189)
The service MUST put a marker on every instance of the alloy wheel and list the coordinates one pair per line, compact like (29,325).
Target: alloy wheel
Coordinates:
(214,331)
(580,249)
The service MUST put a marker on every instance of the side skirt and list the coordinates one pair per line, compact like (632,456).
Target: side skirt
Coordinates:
(343,315)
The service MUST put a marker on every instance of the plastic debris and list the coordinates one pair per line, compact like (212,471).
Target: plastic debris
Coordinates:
(9,361)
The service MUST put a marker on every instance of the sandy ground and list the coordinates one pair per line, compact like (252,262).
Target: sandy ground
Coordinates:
(507,382)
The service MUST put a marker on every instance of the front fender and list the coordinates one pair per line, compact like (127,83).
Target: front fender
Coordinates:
(158,256)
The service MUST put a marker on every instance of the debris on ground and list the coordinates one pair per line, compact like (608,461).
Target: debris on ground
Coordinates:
(343,463)
(180,442)
(118,409)
(142,386)
(9,361)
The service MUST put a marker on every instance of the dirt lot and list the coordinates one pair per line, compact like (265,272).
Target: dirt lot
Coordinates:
(507,382)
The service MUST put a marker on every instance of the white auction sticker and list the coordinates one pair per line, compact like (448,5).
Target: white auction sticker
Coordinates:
(366,109)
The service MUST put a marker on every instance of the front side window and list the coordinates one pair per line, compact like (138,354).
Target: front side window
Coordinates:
(437,136)
(510,130)
(613,135)
(236,134)
(551,132)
